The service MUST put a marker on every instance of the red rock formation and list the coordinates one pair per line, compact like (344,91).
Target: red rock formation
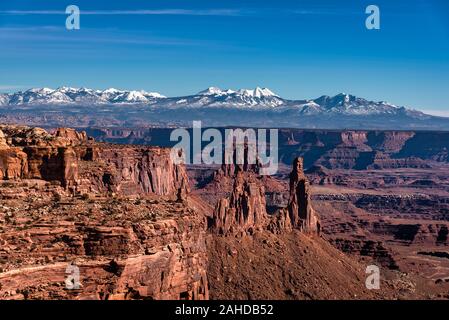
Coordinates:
(131,170)
(51,164)
(346,149)
(32,153)
(71,136)
(244,211)
(231,169)
(367,248)
(299,213)
(142,247)
(3,142)
(151,249)
(390,141)
(13,164)
(357,139)
(85,166)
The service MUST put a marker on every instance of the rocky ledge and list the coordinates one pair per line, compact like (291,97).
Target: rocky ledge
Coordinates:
(245,210)
(118,216)
(82,165)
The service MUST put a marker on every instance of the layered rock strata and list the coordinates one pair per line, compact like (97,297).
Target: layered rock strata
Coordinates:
(84,166)
(121,249)
(245,209)
(116,216)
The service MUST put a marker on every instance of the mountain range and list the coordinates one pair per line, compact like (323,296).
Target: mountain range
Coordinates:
(217,107)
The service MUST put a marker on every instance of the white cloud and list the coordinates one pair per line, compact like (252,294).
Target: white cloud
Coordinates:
(23,35)
(185,12)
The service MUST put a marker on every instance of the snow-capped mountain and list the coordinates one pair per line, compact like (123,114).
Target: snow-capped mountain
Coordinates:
(136,97)
(4,99)
(351,105)
(78,96)
(212,91)
(257,92)
(214,106)
(213,97)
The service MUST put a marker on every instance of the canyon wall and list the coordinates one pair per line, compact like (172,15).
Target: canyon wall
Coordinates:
(165,259)
(130,170)
(361,150)
(85,166)
(118,215)
(333,149)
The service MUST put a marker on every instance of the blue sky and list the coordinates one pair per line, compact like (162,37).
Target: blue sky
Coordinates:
(299,49)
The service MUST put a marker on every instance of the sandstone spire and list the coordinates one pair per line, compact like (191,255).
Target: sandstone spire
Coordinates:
(245,210)
(299,213)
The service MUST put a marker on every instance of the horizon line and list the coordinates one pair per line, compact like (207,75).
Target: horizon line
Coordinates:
(432,112)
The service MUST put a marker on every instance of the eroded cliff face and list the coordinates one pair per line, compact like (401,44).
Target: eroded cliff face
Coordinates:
(245,210)
(333,149)
(13,163)
(124,249)
(84,166)
(364,150)
(130,170)
(33,153)
(120,214)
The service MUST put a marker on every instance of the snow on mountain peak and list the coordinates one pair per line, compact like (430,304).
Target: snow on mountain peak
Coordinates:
(64,89)
(131,96)
(211,91)
(213,97)
(257,92)
(264,92)
(134,96)
(111,90)
(154,94)
(70,95)
(41,90)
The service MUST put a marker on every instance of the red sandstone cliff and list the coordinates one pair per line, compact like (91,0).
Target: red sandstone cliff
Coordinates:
(130,170)
(124,249)
(64,200)
(85,166)
(245,209)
